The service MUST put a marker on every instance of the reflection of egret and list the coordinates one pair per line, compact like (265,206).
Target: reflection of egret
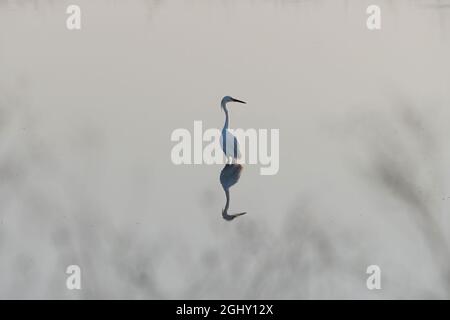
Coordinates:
(228,142)
(229,176)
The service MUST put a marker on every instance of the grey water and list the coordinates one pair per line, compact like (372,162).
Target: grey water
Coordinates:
(86,176)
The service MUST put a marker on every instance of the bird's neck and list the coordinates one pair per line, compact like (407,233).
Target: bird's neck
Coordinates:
(224,106)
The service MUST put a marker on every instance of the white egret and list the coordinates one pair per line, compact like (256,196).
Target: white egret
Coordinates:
(228,141)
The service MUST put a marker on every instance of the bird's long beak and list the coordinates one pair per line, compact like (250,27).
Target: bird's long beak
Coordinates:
(240,101)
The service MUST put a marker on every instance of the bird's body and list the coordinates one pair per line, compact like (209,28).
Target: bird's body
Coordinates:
(230,145)
(228,141)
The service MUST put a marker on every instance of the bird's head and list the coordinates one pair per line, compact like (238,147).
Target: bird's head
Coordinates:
(227,99)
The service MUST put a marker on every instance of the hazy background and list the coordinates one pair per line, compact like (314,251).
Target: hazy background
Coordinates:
(85,170)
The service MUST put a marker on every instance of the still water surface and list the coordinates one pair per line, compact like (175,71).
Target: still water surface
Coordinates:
(86,176)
